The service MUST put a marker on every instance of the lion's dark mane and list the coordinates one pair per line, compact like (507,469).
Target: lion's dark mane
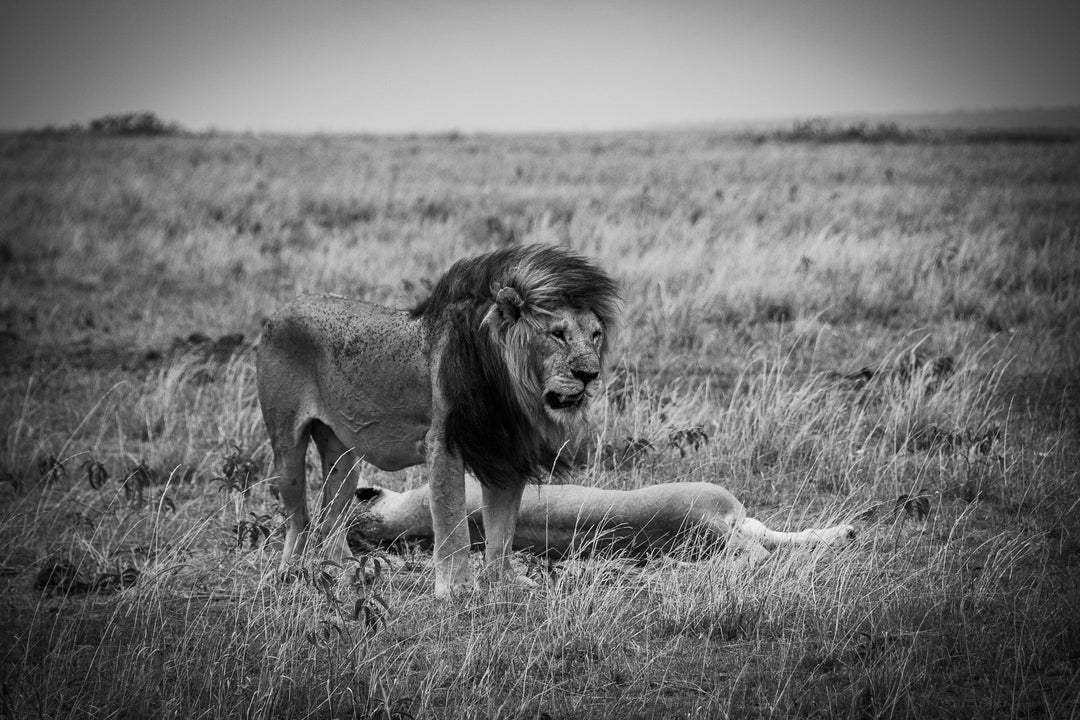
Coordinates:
(499,440)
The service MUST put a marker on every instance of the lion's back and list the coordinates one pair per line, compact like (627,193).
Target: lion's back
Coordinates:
(346,331)
(359,367)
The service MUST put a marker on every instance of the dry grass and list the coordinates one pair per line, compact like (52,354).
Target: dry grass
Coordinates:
(756,275)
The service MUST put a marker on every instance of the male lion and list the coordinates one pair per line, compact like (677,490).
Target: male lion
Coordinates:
(493,373)
(565,520)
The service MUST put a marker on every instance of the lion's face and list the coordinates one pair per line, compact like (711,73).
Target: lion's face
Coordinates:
(554,355)
(568,354)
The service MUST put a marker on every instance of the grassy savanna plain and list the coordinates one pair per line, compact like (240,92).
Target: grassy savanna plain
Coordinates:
(139,542)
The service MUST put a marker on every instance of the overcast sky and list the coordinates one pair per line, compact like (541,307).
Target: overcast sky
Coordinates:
(405,65)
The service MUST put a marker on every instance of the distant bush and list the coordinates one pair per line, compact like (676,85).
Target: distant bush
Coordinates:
(824,131)
(820,130)
(55,131)
(124,124)
(1017,136)
(133,123)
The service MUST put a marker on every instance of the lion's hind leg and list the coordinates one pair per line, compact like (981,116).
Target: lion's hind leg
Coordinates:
(340,466)
(290,486)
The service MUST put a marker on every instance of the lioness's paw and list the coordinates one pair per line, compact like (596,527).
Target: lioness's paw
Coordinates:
(843,535)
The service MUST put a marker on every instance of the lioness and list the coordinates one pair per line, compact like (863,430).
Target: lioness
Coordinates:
(493,373)
(561,520)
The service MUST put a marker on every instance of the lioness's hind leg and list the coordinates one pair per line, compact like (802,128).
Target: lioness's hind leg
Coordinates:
(340,468)
(722,528)
(836,535)
(752,551)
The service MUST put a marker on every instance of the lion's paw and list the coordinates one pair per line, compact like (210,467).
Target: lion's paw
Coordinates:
(525,582)
(456,590)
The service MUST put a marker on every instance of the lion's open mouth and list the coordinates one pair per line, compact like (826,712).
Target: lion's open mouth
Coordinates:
(555,401)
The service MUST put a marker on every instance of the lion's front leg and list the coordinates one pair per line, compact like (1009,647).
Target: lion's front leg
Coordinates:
(449,522)
(500,510)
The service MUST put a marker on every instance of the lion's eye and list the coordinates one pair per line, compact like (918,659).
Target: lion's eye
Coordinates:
(559,334)
(596,336)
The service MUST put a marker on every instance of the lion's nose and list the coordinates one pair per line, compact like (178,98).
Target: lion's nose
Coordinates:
(585,376)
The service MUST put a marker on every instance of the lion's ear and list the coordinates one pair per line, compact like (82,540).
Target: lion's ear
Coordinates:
(509,304)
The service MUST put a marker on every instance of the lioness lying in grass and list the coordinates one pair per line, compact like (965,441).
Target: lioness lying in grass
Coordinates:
(562,520)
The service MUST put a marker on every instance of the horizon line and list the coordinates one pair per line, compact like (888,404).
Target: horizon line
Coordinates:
(900,117)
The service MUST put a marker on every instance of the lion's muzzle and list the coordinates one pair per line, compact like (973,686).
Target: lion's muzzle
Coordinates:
(565,401)
(571,394)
